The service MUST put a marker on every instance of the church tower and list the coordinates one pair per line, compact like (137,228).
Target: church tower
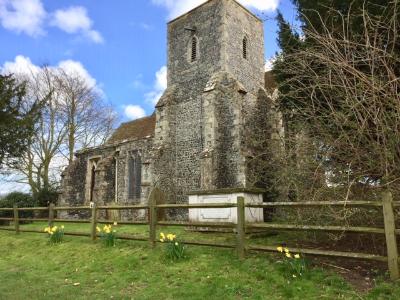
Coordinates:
(215,80)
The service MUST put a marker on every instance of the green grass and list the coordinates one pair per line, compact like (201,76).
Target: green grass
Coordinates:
(30,268)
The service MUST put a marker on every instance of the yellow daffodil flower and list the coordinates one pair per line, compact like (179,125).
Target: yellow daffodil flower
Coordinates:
(170,237)
(115,223)
(162,235)
(280,249)
(297,256)
(286,250)
(98,229)
(62,226)
(288,255)
(176,244)
(162,240)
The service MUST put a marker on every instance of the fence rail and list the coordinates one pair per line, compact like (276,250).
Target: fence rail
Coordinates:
(240,228)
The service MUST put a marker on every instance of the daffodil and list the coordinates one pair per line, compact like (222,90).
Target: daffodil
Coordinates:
(62,226)
(280,249)
(170,237)
(98,229)
(162,235)
(176,244)
(288,255)
(162,240)
(297,256)
(115,223)
(286,250)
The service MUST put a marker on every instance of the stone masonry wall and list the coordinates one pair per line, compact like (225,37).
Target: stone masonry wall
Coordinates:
(109,187)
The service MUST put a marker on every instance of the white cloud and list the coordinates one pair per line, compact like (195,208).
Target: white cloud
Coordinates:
(159,87)
(8,185)
(22,65)
(75,68)
(134,112)
(29,16)
(269,63)
(261,5)
(146,26)
(178,7)
(23,16)
(76,20)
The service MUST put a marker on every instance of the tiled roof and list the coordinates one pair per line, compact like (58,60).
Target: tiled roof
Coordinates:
(137,129)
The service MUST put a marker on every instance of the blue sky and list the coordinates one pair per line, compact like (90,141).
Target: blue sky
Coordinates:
(120,45)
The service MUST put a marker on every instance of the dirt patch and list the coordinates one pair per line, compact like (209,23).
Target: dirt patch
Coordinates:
(360,274)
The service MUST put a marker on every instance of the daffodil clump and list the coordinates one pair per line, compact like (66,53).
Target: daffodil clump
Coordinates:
(55,233)
(295,262)
(108,234)
(174,249)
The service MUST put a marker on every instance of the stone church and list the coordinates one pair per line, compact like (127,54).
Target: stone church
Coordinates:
(206,128)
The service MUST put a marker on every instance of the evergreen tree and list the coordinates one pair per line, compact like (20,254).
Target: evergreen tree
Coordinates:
(16,119)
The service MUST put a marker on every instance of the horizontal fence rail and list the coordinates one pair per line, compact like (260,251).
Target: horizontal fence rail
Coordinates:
(240,228)
(316,228)
(320,203)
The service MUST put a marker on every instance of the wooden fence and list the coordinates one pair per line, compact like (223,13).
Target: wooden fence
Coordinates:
(240,228)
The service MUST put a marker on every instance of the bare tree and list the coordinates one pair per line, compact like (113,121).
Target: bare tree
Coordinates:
(88,119)
(345,88)
(75,116)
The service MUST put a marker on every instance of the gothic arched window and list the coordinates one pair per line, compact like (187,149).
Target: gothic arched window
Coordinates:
(134,175)
(245,44)
(194,49)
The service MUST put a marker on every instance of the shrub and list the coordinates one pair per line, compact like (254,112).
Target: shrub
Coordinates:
(107,235)
(46,196)
(21,200)
(55,233)
(174,249)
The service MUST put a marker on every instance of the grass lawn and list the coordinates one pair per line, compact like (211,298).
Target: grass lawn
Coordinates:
(30,268)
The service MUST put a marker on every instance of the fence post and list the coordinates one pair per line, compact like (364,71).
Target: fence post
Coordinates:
(390,232)
(240,228)
(51,214)
(93,222)
(16,219)
(153,216)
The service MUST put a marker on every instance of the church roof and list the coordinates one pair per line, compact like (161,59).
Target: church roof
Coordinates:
(137,129)
(270,83)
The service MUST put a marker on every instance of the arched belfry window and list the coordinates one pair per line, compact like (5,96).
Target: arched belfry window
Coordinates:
(194,44)
(245,45)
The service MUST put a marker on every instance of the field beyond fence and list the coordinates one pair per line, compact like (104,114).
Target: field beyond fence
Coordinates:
(239,229)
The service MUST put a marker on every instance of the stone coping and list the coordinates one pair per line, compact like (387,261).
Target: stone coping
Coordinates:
(227,191)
